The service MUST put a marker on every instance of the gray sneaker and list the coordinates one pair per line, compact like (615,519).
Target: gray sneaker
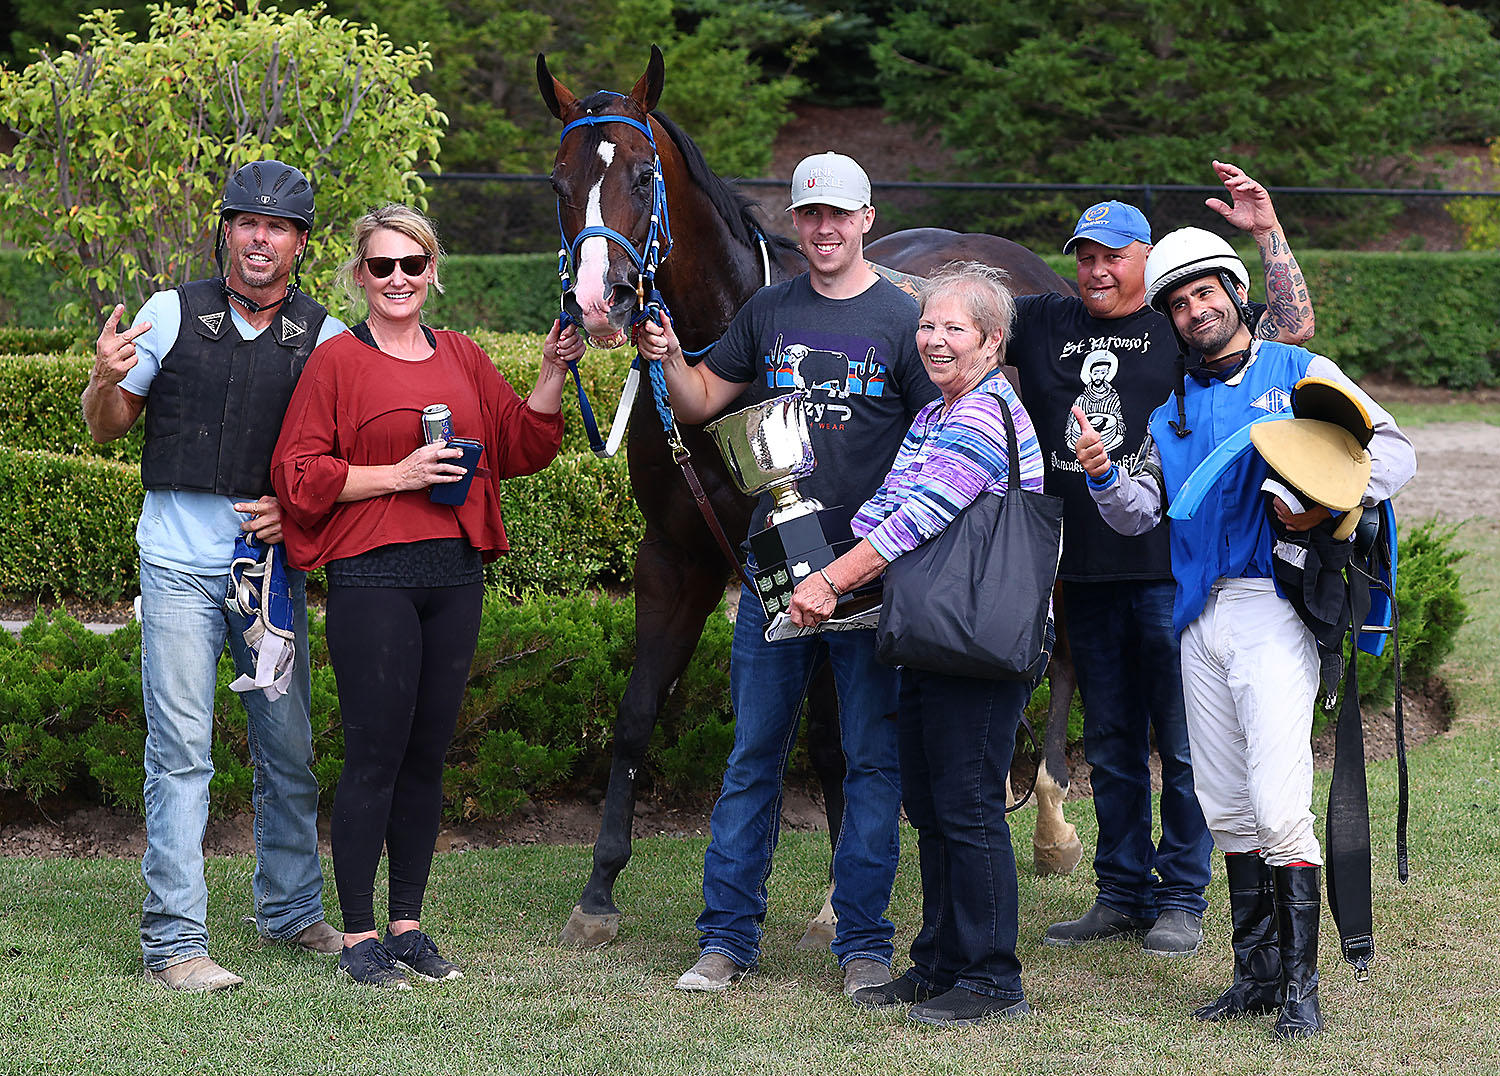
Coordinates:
(714,971)
(1177,933)
(1100,923)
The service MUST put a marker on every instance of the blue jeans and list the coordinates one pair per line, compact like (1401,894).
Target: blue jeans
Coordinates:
(957,737)
(767,683)
(184,625)
(1130,674)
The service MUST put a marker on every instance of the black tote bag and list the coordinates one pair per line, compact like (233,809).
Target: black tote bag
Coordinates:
(973,601)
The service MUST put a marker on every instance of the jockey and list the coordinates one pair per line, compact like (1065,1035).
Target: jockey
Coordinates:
(1250,665)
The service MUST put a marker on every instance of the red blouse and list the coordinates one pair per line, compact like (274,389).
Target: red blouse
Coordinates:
(354,404)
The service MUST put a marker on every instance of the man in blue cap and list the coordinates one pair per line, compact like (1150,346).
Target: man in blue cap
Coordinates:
(1117,590)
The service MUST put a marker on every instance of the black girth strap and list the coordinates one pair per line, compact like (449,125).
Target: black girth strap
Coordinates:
(1348,832)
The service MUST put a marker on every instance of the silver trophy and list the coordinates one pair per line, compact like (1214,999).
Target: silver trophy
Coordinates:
(768,448)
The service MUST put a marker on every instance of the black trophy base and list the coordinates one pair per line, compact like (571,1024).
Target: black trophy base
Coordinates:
(789,552)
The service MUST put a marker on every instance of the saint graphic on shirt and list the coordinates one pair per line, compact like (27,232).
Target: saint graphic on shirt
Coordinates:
(1099,401)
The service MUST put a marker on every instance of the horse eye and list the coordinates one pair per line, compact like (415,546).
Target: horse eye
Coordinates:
(643,181)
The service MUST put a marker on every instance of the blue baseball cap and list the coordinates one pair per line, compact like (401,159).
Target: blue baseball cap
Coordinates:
(1113,224)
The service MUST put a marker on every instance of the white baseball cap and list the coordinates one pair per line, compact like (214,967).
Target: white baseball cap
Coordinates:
(830,179)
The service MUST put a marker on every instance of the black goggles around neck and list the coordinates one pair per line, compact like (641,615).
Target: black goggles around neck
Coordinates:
(411,265)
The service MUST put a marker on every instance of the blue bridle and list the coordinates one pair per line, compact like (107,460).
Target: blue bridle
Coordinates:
(649,301)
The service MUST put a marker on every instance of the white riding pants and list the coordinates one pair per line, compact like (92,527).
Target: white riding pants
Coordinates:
(1250,679)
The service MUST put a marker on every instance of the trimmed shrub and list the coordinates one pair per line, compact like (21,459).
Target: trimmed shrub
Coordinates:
(67,525)
(42,412)
(1433,318)
(21,340)
(539,710)
(510,292)
(42,394)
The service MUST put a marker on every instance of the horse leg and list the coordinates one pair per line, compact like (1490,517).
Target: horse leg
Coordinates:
(674,597)
(1055,846)
(826,752)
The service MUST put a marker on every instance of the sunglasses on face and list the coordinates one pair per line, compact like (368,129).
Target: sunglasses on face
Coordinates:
(411,265)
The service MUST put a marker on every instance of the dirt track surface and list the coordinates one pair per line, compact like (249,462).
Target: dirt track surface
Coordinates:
(1458,477)
(1458,473)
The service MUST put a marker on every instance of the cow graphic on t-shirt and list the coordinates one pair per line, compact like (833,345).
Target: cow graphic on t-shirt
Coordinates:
(827,376)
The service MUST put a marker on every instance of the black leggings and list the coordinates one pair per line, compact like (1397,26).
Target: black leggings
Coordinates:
(401,656)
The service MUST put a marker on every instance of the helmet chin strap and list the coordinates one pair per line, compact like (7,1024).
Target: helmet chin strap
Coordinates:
(294,284)
(1200,372)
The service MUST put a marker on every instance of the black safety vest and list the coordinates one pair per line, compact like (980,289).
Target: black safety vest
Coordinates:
(214,409)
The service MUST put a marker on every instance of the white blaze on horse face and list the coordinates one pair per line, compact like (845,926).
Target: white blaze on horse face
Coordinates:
(591,289)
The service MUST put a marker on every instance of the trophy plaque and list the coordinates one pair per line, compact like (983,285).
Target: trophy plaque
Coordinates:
(767,447)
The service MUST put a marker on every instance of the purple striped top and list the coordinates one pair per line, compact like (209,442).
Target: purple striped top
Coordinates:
(945,462)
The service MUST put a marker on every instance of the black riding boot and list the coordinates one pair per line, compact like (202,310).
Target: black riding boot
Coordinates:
(1256,988)
(1299,903)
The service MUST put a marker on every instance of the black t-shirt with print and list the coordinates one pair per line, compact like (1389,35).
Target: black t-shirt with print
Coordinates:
(857,358)
(1118,371)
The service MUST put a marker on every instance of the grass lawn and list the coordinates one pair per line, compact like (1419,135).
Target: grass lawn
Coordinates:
(72,998)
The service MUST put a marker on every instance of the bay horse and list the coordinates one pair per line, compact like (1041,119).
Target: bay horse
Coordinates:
(610,193)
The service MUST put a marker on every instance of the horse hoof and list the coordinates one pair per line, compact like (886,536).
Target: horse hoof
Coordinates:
(1059,858)
(588,931)
(819,935)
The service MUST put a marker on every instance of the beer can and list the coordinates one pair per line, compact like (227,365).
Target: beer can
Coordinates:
(437,423)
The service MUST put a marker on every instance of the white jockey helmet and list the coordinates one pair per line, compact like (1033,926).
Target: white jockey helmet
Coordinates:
(1187,254)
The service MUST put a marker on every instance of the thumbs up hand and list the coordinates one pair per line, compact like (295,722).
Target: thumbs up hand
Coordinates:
(1090,449)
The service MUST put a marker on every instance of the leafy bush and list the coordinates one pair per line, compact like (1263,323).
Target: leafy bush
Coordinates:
(1431,608)
(1343,92)
(539,710)
(126,142)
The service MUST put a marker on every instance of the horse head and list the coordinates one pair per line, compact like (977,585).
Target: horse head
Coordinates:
(611,195)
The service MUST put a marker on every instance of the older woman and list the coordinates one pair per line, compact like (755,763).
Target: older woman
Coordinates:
(405,573)
(956,734)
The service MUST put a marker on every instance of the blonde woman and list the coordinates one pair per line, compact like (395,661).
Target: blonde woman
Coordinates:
(405,572)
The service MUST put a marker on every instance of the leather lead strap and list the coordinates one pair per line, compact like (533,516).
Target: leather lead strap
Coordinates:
(707,509)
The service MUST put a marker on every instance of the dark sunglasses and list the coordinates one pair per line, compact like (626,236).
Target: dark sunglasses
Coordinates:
(411,265)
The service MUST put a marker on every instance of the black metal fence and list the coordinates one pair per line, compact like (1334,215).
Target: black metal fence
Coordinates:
(483,213)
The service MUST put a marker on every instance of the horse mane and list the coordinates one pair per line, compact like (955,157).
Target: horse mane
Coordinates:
(739,213)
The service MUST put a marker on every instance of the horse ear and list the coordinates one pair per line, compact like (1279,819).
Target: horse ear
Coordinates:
(648,90)
(557,96)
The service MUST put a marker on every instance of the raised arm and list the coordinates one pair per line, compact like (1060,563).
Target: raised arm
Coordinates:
(108,409)
(1289,313)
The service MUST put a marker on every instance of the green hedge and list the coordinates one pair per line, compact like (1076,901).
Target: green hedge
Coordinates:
(539,710)
(67,527)
(1431,317)
(42,393)
(513,292)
